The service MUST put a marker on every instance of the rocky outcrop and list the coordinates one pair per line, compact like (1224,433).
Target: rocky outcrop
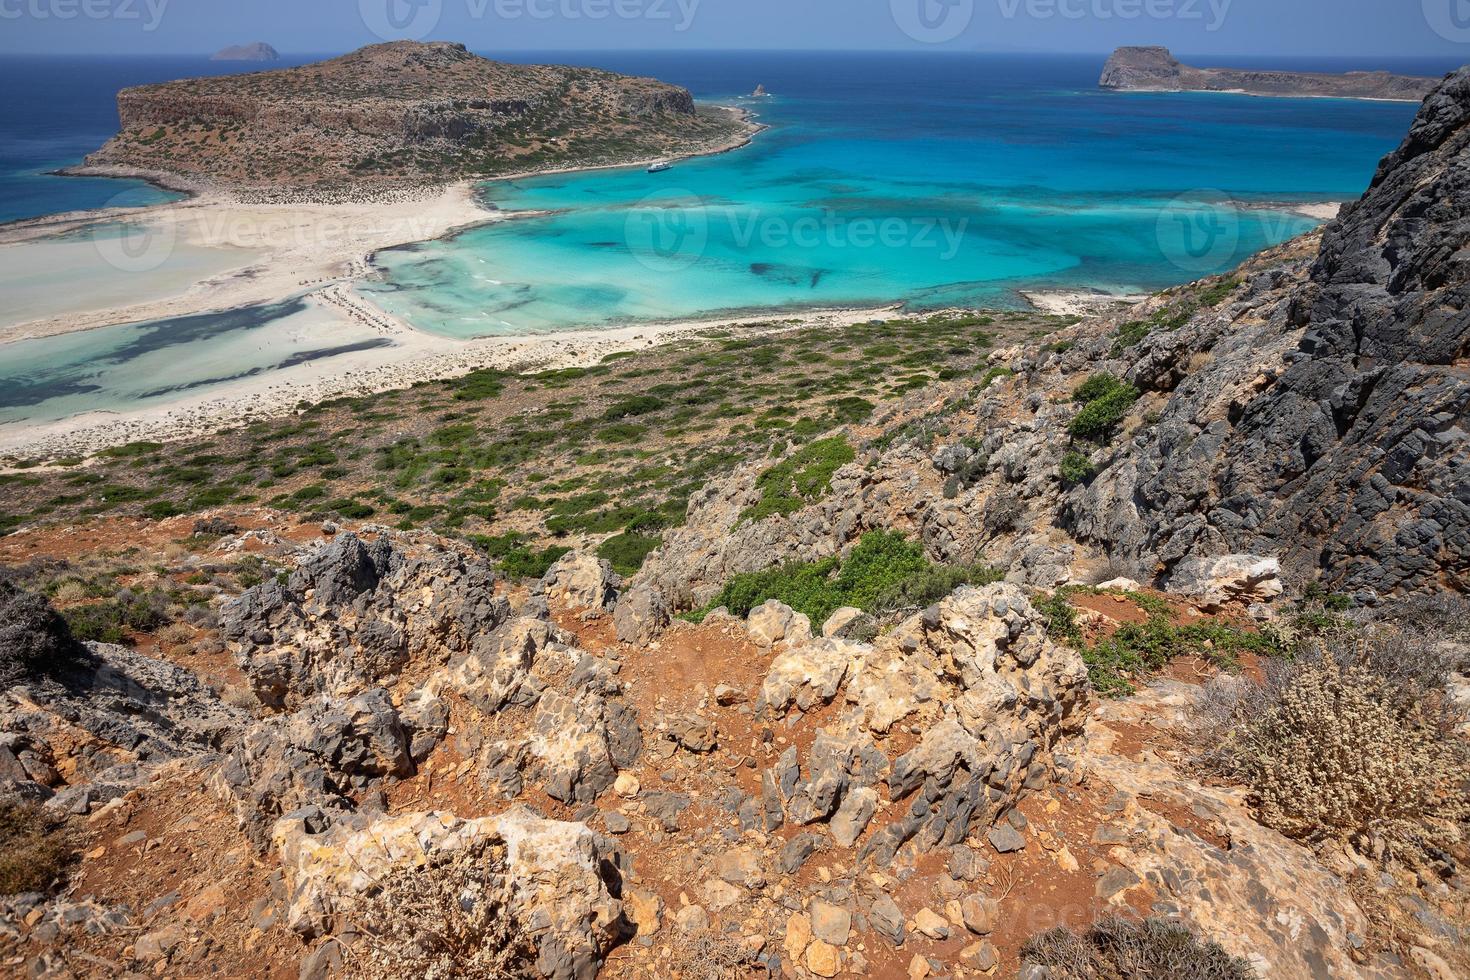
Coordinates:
(104,724)
(975,677)
(398,113)
(573,731)
(578,581)
(561,878)
(355,613)
(324,757)
(1154,69)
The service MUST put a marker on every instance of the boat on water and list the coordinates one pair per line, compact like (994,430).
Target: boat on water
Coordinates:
(659,166)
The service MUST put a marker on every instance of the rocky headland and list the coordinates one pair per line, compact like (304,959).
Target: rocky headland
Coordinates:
(1155,69)
(402,113)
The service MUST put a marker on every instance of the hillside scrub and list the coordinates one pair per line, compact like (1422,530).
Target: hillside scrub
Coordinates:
(1345,743)
(885,573)
(1121,949)
(1105,401)
(800,479)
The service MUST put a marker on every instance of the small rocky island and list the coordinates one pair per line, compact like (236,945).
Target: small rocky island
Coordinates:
(398,115)
(259,51)
(1155,69)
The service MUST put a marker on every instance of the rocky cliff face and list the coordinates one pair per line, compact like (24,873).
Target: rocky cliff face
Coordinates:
(1154,69)
(401,112)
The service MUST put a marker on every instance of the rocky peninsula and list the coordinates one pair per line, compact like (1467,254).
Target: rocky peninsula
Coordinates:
(1155,69)
(401,114)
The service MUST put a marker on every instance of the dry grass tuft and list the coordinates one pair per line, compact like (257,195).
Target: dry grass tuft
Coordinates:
(1121,949)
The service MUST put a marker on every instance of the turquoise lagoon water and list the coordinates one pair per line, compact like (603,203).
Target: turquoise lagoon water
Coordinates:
(927,180)
(143,364)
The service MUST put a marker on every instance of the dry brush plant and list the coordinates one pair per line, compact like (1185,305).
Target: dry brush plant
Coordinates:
(1352,740)
(1123,949)
(448,919)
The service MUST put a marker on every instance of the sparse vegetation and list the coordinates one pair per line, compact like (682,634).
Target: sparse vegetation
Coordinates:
(885,573)
(800,479)
(1105,401)
(35,847)
(1342,742)
(1122,949)
(448,917)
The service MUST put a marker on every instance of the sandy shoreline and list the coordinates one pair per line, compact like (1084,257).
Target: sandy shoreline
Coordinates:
(415,357)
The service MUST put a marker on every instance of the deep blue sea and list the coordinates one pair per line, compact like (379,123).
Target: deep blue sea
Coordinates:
(926,179)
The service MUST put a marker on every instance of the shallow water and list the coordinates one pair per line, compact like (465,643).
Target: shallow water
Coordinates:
(934,181)
(136,365)
(103,266)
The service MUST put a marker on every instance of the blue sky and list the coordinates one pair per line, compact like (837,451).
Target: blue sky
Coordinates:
(1369,28)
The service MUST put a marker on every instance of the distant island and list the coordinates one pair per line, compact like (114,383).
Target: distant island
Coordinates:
(259,51)
(401,114)
(1155,69)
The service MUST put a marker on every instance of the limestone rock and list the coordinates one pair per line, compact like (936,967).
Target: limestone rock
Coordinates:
(1217,582)
(579,581)
(641,615)
(830,923)
(775,622)
(353,614)
(562,894)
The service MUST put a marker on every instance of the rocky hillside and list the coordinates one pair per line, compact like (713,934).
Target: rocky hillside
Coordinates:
(402,112)
(1134,648)
(1154,69)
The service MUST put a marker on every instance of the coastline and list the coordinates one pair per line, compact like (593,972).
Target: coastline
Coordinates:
(414,357)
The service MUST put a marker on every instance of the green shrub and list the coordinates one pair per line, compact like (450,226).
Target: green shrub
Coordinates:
(1076,468)
(800,479)
(636,405)
(354,510)
(622,432)
(884,573)
(526,563)
(1120,949)
(478,385)
(1105,401)
(626,551)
